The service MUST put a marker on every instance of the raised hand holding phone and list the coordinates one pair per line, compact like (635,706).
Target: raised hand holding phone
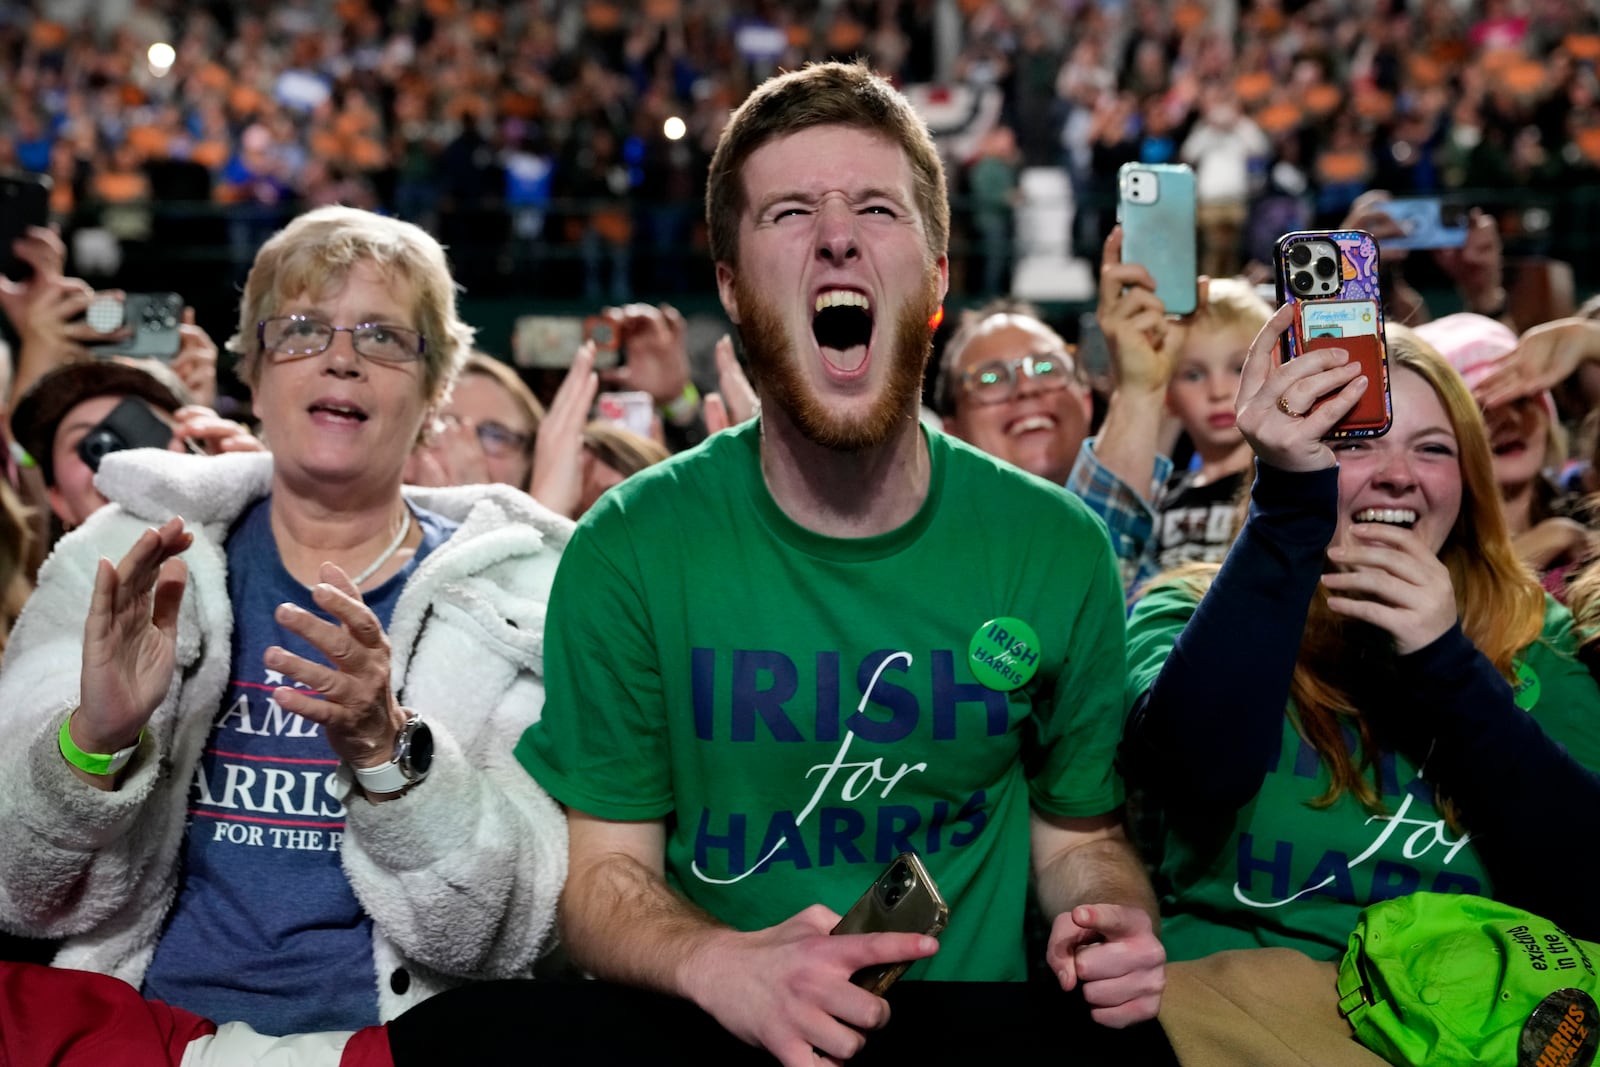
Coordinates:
(1277,408)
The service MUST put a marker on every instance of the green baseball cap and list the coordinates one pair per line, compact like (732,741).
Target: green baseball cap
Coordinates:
(1448,978)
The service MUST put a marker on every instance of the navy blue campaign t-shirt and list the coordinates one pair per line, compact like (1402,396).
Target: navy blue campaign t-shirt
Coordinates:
(266,930)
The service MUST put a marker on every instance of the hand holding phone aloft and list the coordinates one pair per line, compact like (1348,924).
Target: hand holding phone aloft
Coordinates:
(1277,409)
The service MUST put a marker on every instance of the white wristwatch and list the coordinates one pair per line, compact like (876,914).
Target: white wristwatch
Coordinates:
(413,755)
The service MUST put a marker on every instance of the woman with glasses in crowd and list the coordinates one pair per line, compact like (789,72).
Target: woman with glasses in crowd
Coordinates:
(270,778)
(485,432)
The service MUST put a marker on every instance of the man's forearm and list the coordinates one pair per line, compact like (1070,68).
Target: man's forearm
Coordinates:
(1126,443)
(622,922)
(1106,871)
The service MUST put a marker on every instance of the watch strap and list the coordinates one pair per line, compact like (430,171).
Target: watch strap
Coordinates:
(101,763)
(384,778)
(397,775)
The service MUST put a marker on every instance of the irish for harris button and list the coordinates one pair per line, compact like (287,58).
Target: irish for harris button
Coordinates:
(1525,687)
(1004,653)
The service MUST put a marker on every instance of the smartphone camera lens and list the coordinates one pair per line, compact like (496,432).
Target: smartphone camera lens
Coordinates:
(892,895)
(1299,256)
(1324,268)
(97,444)
(1302,281)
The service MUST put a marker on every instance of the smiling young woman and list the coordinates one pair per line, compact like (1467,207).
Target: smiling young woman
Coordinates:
(1371,620)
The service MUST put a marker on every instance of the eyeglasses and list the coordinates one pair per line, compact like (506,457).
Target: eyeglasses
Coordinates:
(498,440)
(297,336)
(994,381)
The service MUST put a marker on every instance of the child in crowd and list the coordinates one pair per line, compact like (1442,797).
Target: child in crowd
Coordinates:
(1195,513)
(1187,369)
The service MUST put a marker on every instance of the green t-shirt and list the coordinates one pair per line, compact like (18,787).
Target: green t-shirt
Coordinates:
(799,709)
(1280,873)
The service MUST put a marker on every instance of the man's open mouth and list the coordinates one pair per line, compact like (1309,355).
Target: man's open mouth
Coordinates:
(842,326)
(1388,516)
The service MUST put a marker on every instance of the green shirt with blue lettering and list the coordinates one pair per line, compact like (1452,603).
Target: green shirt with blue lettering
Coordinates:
(799,709)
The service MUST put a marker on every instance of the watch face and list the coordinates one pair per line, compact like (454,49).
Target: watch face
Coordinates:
(419,753)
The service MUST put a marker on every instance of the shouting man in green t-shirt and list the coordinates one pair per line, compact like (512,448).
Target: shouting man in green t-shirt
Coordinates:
(829,636)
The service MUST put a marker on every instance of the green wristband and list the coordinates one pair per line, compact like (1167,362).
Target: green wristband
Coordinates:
(682,407)
(93,762)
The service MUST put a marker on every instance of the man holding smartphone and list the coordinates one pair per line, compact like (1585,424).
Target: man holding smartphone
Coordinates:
(830,636)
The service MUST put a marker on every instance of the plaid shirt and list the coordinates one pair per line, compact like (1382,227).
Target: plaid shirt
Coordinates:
(1131,518)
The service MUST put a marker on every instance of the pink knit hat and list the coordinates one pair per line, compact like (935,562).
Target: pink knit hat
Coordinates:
(1473,344)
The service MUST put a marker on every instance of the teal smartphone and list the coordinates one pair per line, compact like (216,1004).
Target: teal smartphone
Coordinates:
(1155,205)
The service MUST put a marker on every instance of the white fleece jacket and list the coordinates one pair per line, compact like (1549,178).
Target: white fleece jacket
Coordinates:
(460,875)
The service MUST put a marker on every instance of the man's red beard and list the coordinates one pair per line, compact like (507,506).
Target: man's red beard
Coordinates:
(773,361)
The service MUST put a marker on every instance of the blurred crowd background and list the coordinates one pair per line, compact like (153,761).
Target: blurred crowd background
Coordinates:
(558,147)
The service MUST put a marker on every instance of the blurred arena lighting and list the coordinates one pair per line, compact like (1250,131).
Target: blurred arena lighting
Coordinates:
(161,56)
(674,128)
(96,251)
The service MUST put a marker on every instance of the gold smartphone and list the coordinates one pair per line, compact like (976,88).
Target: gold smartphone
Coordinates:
(903,900)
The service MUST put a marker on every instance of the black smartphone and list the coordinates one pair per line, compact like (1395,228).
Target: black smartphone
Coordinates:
(1331,278)
(151,321)
(903,899)
(131,424)
(24,203)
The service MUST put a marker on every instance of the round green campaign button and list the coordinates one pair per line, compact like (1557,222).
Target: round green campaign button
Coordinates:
(1004,653)
(1525,687)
